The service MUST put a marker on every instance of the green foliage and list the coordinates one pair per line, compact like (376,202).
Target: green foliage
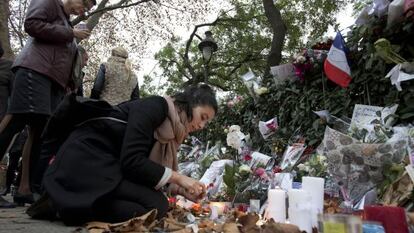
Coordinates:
(244,37)
(293,102)
(230,180)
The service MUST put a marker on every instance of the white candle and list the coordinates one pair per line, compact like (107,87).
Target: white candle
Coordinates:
(214,213)
(254,206)
(300,209)
(315,187)
(277,205)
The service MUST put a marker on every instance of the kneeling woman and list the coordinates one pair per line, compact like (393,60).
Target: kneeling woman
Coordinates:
(109,170)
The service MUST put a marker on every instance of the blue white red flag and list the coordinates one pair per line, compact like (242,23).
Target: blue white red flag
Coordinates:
(336,65)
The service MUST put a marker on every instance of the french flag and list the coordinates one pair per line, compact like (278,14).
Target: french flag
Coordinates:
(336,65)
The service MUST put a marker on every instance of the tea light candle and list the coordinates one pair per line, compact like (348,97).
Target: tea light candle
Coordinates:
(277,205)
(221,206)
(315,187)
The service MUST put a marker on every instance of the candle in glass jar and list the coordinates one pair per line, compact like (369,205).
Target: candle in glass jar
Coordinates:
(220,206)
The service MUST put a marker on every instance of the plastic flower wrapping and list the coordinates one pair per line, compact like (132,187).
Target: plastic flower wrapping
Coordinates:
(356,166)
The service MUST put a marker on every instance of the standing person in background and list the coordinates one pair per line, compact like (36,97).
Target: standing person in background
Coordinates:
(6,83)
(116,82)
(42,75)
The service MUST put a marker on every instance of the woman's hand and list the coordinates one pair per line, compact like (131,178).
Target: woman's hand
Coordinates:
(81,33)
(191,188)
(191,197)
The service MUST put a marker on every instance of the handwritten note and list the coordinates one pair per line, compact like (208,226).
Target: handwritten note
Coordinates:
(283,71)
(258,158)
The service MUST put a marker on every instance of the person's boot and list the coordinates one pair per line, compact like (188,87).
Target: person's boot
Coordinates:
(5,191)
(42,209)
(6,204)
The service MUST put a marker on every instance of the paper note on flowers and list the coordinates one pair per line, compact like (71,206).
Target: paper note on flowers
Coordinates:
(215,170)
(268,128)
(365,114)
(283,71)
(259,159)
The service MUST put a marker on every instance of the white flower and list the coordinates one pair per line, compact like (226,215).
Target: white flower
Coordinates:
(301,167)
(235,137)
(300,59)
(233,141)
(234,128)
(261,90)
(244,169)
(321,158)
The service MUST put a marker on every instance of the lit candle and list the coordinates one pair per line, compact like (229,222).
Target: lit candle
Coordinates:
(220,206)
(315,187)
(300,209)
(277,205)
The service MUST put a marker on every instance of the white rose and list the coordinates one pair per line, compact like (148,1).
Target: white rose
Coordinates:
(301,167)
(261,90)
(300,59)
(321,158)
(234,128)
(244,169)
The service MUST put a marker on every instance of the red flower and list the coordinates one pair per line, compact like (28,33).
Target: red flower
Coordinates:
(277,169)
(242,208)
(247,157)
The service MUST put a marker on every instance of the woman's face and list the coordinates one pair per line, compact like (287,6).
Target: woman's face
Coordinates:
(201,116)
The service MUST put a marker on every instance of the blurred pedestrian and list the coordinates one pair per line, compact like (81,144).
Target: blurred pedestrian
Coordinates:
(6,81)
(116,82)
(42,74)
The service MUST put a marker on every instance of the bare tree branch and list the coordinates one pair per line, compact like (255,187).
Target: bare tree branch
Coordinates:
(102,8)
(18,32)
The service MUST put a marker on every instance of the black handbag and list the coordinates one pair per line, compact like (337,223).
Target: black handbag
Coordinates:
(72,111)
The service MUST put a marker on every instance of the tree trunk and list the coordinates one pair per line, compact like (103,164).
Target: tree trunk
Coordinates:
(279,32)
(4,29)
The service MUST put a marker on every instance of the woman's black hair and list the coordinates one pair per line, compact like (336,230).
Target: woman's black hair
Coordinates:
(193,96)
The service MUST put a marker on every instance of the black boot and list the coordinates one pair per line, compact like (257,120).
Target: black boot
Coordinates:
(6,204)
(42,209)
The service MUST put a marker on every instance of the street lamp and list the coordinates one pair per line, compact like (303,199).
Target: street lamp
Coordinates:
(207,47)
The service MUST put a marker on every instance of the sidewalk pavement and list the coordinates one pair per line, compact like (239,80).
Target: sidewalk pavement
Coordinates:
(16,221)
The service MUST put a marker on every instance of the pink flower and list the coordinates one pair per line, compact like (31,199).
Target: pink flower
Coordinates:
(260,171)
(230,104)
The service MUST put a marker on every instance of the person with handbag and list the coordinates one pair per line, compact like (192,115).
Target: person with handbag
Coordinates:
(116,167)
(42,75)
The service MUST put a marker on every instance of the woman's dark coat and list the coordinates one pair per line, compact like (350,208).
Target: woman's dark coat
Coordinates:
(98,155)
